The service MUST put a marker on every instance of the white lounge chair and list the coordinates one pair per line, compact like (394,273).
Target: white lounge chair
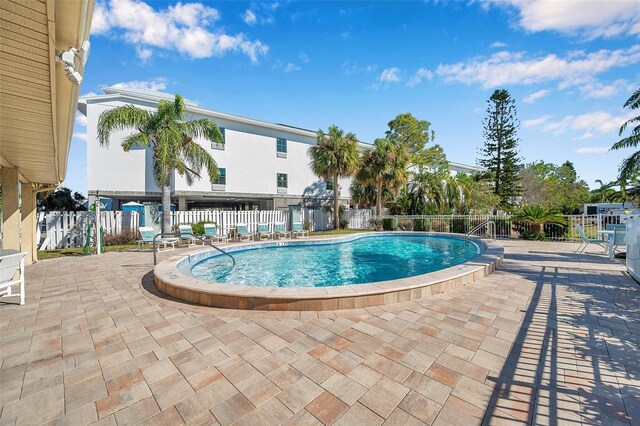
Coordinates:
(281,231)
(299,231)
(212,232)
(147,233)
(243,232)
(264,231)
(586,240)
(12,263)
(186,233)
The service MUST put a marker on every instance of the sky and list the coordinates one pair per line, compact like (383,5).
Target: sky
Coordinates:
(570,66)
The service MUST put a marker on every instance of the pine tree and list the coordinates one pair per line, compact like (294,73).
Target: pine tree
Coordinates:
(500,146)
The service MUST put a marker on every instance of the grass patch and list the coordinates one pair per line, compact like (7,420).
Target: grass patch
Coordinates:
(78,251)
(338,232)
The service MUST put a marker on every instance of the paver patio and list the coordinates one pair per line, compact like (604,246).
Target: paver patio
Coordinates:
(550,338)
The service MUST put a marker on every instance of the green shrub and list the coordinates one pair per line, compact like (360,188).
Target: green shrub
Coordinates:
(307,225)
(123,238)
(389,224)
(531,235)
(422,225)
(459,225)
(344,223)
(198,228)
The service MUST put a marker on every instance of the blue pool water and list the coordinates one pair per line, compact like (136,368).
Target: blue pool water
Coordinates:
(363,260)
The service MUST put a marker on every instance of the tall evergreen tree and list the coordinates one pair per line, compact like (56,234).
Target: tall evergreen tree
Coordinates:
(500,146)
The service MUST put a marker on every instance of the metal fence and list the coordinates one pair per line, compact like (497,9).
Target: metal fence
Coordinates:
(506,227)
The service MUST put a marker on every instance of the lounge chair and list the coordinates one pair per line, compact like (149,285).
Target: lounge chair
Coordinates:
(281,231)
(619,239)
(12,262)
(212,232)
(243,232)
(299,231)
(586,241)
(264,231)
(186,233)
(147,233)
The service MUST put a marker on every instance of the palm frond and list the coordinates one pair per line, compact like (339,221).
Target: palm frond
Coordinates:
(140,139)
(120,118)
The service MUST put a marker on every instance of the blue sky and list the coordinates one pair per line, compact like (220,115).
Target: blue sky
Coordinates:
(569,64)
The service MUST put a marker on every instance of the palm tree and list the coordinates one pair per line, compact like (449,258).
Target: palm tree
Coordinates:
(335,155)
(631,165)
(605,193)
(427,191)
(537,216)
(171,139)
(385,167)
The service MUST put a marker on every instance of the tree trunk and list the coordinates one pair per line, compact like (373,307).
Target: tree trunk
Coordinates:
(336,203)
(166,207)
(379,199)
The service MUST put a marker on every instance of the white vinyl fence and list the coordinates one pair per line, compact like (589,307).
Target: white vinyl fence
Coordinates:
(69,229)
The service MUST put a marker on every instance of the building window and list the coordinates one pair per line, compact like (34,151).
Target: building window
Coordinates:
(281,148)
(329,185)
(220,145)
(283,183)
(221,180)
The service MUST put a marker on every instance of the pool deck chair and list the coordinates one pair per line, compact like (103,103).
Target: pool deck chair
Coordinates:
(242,230)
(619,239)
(147,233)
(212,232)
(186,233)
(299,231)
(281,231)
(12,264)
(263,231)
(586,240)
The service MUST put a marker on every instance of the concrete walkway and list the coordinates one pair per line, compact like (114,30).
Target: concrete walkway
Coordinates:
(550,338)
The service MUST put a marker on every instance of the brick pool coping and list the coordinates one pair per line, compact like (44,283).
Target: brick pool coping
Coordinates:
(171,281)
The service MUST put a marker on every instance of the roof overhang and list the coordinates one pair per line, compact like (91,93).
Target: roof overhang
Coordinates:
(37,101)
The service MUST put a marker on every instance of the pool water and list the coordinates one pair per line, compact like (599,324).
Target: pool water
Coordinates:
(364,260)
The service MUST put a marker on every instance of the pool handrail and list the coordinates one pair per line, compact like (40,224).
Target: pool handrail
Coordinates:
(173,234)
(490,223)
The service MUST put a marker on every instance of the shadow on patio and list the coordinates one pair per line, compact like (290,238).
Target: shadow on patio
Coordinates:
(575,357)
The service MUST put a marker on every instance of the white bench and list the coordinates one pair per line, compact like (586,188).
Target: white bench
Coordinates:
(11,262)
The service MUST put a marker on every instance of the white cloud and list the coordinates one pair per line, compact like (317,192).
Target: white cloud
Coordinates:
(144,54)
(533,97)
(290,67)
(419,76)
(353,68)
(589,124)
(510,68)
(89,94)
(184,27)
(498,44)
(535,122)
(344,35)
(590,18)
(304,58)
(80,135)
(249,17)
(81,120)
(390,75)
(592,150)
(155,84)
(597,90)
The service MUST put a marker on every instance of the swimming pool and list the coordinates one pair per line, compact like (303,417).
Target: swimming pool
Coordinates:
(173,276)
(367,259)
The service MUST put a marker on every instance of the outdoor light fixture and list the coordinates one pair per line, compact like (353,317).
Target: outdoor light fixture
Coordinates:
(68,59)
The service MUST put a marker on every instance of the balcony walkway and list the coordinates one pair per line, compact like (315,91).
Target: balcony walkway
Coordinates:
(550,338)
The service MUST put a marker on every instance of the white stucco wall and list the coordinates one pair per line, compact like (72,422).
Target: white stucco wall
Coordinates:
(249,158)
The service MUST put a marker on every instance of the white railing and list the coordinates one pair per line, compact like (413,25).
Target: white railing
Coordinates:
(506,227)
(69,229)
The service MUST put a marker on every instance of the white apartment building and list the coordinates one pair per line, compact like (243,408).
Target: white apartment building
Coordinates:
(262,165)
